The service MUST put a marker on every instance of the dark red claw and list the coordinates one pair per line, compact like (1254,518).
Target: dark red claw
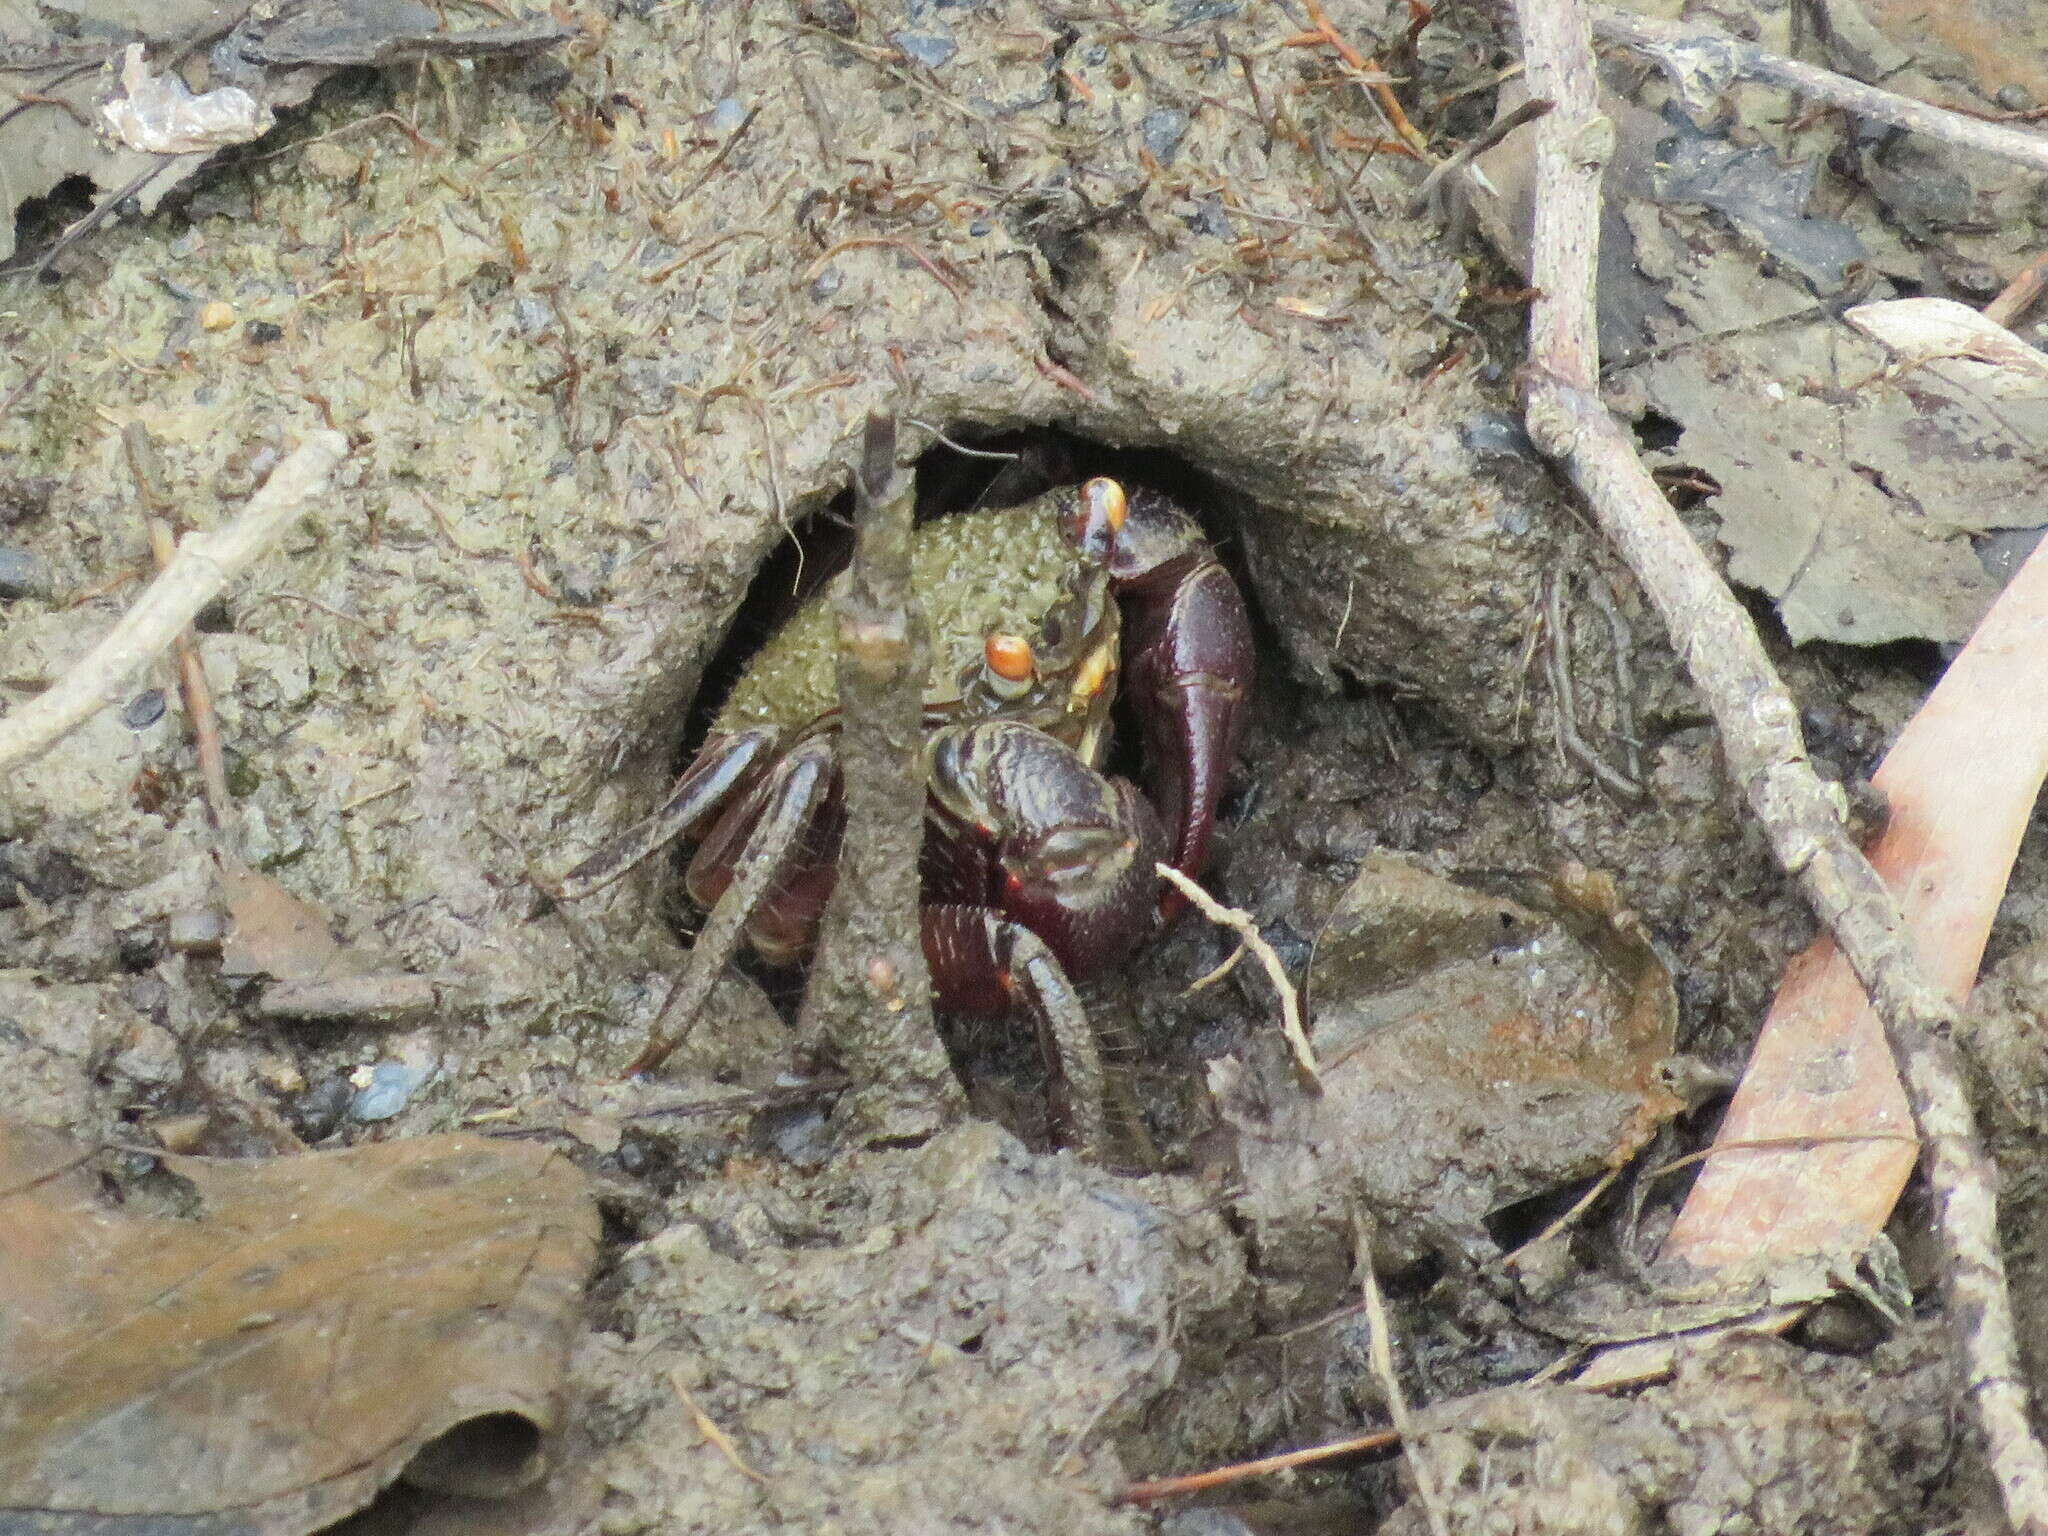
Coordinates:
(1068,853)
(1188,662)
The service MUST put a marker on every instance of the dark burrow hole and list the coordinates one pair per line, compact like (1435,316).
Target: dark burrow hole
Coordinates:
(1000,1062)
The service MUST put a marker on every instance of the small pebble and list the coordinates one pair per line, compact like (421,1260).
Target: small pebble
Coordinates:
(1162,130)
(216,315)
(22,574)
(197,931)
(727,114)
(318,1111)
(179,1133)
(263,333)
(2014,97)
(1209,219)
(390,1086)
(929,50)
(144,710)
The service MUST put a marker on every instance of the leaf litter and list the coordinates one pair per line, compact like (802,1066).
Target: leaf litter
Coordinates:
(289,1336)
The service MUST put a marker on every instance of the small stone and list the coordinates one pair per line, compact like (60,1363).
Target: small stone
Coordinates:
(144,710)
(216,315)
(2014,97)
(263,332)
(1162,130)
(179,1133)
(197,931)
(22,574)
(928,49)
(390,1086)
(280,1075)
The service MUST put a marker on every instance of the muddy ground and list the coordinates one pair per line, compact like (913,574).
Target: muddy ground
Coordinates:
(602,328)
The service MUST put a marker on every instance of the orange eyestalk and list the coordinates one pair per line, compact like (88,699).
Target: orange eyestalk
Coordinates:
(1010,663)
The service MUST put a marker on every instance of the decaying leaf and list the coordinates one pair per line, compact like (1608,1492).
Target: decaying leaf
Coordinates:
(314,1328)
(273,933)
(1475,1050)
(1845,485)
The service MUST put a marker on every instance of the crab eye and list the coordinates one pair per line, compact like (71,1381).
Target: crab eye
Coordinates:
(1105,499)
(1009,662)
(1100,516)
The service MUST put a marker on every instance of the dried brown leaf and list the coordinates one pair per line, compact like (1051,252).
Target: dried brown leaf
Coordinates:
(273,933)
(270,1361)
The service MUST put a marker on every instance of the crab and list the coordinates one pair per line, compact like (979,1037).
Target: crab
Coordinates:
(1038,869)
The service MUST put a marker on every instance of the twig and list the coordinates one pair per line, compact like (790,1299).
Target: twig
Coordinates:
(1217,972)
(869,996)
(145,463)
(718,159)
(1759,726)
(1158,1488)
(205,563)
(1240,922)
(708,1428)
(1380,1351)
(1702,61)
(1382,91)
(2017,297)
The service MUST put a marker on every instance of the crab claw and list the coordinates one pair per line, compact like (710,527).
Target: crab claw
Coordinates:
(1187,662)
(1037,835)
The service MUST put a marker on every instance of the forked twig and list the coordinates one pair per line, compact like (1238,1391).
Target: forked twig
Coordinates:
(1759,728)
(1240,922)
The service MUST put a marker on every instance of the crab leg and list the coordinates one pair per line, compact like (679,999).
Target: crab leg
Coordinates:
(982,962)
(783,811)
(704,786)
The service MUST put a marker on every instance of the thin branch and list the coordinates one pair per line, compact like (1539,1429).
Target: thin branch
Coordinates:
(1705,62)
(1154,1489)
(1759,723)
(713,1435)
(205,563)
(1380,1350)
